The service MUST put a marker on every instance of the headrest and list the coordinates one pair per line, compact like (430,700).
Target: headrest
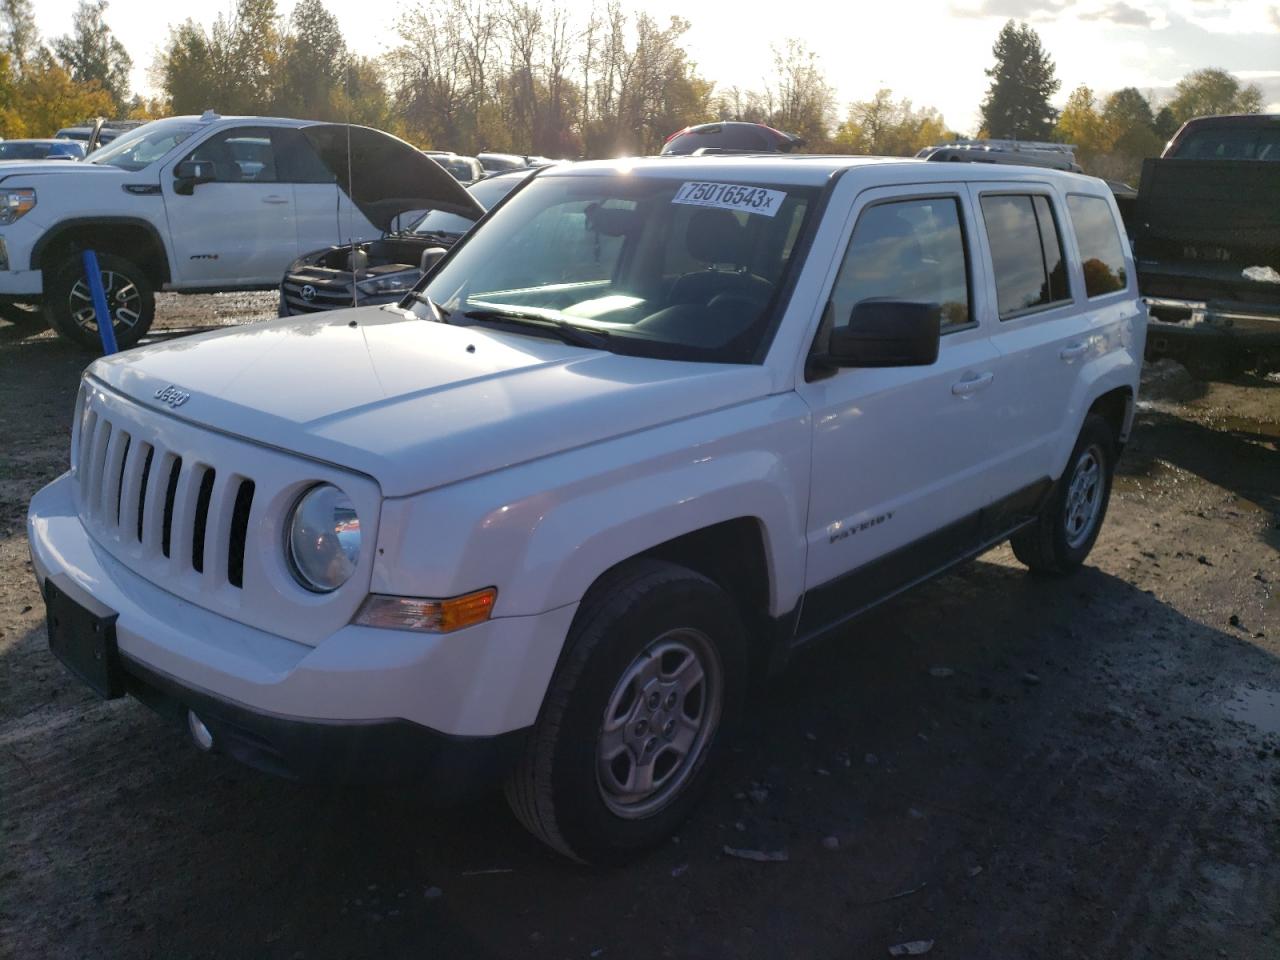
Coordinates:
(714,236)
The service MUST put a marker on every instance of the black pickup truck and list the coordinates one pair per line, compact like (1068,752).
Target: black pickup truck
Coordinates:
(1206,239)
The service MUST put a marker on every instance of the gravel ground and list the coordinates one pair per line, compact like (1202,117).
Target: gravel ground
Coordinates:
(1004,765)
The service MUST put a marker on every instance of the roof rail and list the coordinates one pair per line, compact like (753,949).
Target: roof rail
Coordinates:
(1017,146)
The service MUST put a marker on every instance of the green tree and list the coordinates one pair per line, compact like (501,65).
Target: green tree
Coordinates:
(362,98)
(90,53)
(1022,81)
(1205,92)
(19,38)
(314,64)
(1131,127)
(1166,124)
(247,52)
(185,69)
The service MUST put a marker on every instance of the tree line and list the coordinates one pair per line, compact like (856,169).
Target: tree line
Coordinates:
(527,76)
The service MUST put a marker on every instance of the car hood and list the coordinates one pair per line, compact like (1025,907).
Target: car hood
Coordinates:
(61,168)
(416,404)
(386,176)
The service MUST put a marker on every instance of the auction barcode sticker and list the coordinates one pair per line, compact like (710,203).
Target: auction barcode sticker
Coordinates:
(730,196)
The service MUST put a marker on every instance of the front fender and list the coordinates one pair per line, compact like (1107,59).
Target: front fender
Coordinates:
(542,532)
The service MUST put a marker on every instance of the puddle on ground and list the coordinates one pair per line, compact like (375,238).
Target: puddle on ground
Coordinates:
(1258,708)
(1258,428)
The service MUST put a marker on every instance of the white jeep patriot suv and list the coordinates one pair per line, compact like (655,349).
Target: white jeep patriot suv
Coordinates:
(650,427)
(199,204)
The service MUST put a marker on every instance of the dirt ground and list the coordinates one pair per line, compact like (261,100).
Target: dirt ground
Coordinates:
(1004,765)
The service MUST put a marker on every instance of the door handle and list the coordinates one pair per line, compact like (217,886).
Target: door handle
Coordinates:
(275,199)
(971,385)
(1075,351)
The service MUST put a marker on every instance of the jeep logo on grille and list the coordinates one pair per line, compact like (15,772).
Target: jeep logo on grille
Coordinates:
(172,396)
(308,293)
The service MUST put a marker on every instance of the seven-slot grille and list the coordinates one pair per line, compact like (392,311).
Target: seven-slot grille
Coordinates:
(162,502)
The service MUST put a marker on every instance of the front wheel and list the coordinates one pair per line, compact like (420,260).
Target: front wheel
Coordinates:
(1068,527)
(636,716)
(131,301)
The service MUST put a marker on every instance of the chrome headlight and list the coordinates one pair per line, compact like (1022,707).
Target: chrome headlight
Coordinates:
(400,282)
(16,203)
(324,538)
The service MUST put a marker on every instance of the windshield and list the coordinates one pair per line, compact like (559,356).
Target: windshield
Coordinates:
(144,145)
(487,193)
(17,150)
(1231,143)
(667,268)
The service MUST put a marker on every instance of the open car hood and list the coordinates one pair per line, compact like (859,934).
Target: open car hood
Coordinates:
(386,176)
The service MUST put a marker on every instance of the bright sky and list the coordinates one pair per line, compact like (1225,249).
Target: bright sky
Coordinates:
(932,51)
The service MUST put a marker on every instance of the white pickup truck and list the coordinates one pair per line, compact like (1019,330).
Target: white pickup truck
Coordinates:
(200,204)
(649,428)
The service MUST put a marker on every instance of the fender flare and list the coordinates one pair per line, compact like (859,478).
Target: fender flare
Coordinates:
(63,227)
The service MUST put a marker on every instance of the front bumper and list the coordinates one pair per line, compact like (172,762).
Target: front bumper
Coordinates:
(361,703)
(377,751)
(16,280)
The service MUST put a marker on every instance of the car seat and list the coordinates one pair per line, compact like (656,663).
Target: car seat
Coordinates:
(716,238)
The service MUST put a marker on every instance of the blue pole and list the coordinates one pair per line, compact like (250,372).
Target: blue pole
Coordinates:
(94,277)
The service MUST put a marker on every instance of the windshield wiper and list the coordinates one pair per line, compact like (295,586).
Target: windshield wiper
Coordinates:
(438,313)
(576,336)
(438,235)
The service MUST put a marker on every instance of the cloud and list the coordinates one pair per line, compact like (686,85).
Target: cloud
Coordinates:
(1014,9)
(1121,13)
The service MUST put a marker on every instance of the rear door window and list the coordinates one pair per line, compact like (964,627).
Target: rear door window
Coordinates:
(1101,252)
(1026,253)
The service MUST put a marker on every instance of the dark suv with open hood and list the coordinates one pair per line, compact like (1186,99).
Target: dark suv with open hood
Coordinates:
(383,270)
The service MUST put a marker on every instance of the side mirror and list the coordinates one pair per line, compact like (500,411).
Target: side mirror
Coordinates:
(887,333)
(189,174)
(430,257)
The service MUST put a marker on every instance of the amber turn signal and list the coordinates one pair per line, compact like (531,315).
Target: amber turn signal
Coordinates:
(428,616)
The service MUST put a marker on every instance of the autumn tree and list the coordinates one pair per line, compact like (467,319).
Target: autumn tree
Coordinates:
(1022,81)
(48,97)
(885,127)
(1210,91)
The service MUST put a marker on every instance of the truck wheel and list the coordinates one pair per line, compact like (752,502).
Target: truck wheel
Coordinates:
(636,716)
(1059,541)
(130,301)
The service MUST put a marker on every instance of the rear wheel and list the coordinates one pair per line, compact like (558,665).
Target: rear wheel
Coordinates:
(1068,527)
(636,716)
(130,301)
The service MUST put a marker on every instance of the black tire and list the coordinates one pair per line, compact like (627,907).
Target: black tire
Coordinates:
(557,791)
(1052,545)
(23,315)
(130,300)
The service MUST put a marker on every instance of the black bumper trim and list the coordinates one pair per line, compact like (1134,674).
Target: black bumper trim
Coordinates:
(334,751)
